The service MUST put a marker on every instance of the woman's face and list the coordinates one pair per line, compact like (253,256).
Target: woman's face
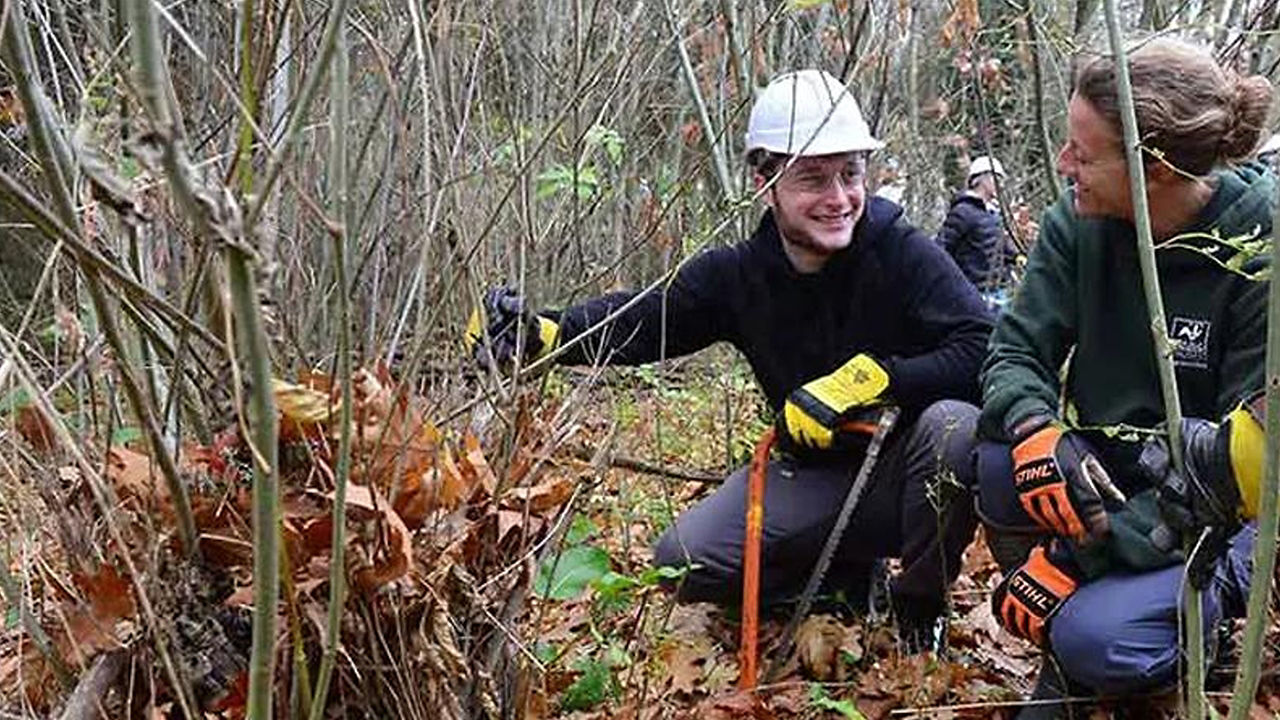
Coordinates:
(1093,160)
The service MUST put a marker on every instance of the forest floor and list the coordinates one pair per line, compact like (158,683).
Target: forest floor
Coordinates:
(646,657)
(509,572)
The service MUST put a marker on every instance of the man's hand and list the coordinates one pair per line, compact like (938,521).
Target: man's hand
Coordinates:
(1028,598)
(812,414)
(1060,481)
(510,328)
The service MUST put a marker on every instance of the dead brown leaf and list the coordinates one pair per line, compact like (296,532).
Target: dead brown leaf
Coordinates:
(818,642)
(395,557)
(225,551)
(473,464)
(35,428)
(730,706)
(108,594)
(131,475)
(547,495)
(685,662)
(302,405)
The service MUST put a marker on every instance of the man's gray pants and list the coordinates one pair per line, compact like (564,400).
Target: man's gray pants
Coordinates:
(922,465)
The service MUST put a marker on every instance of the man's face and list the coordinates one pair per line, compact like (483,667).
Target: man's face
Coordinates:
(817,201)
(984,185)
(1093,159)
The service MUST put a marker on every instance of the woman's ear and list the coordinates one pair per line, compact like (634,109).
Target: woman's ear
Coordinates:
(1160,172)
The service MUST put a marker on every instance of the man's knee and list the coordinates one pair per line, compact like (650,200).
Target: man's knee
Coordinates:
(947,427)
(708,576)
(949,421)
(998,503)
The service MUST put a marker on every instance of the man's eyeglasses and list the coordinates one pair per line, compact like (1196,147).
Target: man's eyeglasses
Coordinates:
(815,180)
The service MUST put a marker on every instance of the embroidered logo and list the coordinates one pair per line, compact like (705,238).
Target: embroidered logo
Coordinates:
(1190,341)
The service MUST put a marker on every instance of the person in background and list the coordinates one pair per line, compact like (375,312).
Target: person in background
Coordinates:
(972,233)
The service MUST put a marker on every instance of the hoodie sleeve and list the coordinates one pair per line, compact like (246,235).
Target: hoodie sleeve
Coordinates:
(686,314)
(1244,359)
(945,310)
(1035,333)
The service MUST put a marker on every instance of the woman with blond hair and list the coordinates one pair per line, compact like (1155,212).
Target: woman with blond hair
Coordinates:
(1081,507)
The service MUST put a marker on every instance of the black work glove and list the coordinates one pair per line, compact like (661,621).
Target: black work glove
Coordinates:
(1218,491)
(1206,494)
(510,328)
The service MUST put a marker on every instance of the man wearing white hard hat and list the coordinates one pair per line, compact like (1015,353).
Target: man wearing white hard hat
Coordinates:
(971,232)
(840,306)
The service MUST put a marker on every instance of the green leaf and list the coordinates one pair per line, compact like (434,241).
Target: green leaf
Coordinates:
(11,618)
(581,530)
(608,140)
(595,685)
(577,568)
(654,575)
(819,699)
(14,399)
(125,435)
(547,653)
(806,4)
(613,583)
(559,178)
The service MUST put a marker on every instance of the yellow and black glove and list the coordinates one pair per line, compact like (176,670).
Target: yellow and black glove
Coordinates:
(510,330)
(1223,461)
(1028,598)
(812,414)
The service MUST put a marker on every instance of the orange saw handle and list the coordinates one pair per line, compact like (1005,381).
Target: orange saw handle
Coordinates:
(748,647)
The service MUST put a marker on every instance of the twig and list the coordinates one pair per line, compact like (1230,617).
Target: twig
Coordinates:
(338,203)
(1264,550)
(625,462)
(85,701)
(937,710)
(1160,335)
(691,81)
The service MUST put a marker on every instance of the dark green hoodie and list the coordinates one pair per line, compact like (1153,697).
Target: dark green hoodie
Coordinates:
(1083,290)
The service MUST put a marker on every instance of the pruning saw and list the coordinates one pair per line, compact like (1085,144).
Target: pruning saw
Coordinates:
(748,648)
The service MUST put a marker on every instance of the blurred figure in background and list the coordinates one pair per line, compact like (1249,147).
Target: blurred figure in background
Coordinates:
(972,233)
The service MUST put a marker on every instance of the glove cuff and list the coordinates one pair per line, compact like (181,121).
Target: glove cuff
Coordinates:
(1028,426)
(548,337)
(1246,441)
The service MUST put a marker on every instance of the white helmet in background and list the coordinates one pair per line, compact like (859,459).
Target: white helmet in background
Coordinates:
(1271,146)
(808,112)
(984,164)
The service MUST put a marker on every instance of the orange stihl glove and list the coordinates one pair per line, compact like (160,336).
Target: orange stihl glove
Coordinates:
(1026,600)
(1060,481)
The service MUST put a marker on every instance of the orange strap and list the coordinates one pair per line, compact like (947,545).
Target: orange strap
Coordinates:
(747,650)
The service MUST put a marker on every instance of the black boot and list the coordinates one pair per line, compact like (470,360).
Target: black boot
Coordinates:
(921,624)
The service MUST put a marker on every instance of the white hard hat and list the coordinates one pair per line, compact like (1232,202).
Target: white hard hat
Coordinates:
(808,112)
(985,164)
(1271,145)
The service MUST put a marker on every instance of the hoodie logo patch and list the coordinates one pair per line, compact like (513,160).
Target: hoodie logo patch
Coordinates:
(1190,341)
